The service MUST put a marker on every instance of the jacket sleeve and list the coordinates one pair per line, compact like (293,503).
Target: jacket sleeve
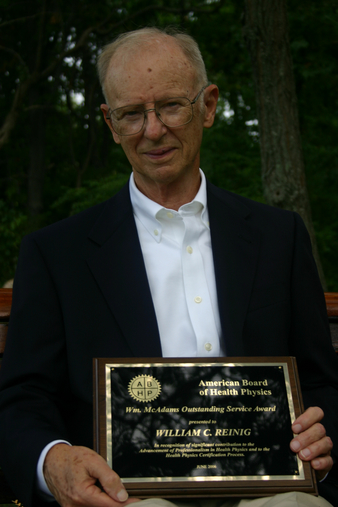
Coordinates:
(33,380)
(310,340)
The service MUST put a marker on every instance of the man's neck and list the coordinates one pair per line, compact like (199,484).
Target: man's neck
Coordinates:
(170,195)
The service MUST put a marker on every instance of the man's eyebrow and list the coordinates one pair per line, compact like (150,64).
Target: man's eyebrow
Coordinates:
(167,97)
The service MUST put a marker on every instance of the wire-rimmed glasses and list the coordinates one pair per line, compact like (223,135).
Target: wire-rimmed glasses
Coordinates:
(172,112)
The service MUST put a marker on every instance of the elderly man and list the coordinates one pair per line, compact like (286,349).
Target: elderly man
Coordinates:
(170,266)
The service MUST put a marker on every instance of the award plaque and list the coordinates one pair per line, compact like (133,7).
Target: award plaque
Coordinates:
(176,428)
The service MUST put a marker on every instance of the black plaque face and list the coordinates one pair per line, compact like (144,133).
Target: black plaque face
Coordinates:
(190,424)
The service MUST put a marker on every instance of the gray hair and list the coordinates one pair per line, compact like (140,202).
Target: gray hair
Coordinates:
(185,42)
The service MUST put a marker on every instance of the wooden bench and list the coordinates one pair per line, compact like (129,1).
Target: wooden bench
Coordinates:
(6,303)
(331,299)
(5,310)
(6,496)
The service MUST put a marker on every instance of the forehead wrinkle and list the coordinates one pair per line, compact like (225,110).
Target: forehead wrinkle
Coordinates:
(153,46)
(135,63)
(172,89)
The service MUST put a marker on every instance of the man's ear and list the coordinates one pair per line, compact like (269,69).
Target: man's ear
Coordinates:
(105,111)
(210,102)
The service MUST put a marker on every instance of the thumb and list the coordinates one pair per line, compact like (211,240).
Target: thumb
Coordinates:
(110,481)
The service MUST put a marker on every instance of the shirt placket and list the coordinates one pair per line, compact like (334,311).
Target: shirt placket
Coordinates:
(197,292)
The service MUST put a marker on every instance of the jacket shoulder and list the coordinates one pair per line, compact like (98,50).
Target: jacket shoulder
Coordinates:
(254,211)
(81,224)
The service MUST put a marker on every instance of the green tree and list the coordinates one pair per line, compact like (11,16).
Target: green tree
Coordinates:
(266,31)
(57,156)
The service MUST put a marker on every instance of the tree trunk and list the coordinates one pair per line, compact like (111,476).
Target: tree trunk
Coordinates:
(36,168)
(266,34)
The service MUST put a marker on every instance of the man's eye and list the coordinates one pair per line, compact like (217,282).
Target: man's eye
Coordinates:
(172,107)
(172,104)
(132,114)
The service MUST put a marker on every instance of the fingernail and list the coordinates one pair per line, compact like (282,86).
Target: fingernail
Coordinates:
(305,453)
(122,495)
(295,446)
(315,463)
(297,428)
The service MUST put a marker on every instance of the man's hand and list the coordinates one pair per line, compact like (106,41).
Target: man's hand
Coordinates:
(311,443)
(71,474)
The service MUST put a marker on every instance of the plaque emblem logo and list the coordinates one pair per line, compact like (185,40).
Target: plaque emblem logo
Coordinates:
(144,388)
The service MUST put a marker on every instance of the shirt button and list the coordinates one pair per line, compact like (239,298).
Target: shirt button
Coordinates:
(198,299)
(169,214)
(189,249)
(156,232)
(208,346)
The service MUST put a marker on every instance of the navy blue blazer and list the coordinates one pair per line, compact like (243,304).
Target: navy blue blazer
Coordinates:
(81,291)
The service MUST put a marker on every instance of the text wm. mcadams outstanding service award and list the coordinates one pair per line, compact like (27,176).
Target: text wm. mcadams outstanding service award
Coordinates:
(173,427)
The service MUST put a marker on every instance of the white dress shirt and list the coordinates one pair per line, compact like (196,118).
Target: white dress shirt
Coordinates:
(176,247)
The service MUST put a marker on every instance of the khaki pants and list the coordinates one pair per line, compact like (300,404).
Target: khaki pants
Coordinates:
(292,499)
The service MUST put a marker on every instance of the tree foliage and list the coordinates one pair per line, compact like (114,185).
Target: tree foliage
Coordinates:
(57,156)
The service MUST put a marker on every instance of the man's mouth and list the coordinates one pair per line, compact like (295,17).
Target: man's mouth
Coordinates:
(160,152)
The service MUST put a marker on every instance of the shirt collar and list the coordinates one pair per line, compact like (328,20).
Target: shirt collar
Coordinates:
(148,211)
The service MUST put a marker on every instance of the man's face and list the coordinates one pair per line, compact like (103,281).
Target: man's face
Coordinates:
(159,155)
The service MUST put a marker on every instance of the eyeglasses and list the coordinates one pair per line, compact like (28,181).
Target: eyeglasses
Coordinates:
(173,112)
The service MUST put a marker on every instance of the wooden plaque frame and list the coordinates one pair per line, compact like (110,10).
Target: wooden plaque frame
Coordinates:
(200,486)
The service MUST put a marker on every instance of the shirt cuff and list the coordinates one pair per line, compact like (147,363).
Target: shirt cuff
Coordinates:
(324,477)
(42,488)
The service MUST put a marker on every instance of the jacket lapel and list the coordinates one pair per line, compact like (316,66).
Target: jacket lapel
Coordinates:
(235,245)
(119,270)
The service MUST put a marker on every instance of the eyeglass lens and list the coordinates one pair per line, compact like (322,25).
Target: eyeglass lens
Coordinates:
(173,112)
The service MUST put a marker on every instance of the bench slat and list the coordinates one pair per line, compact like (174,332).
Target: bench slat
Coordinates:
(331,299)
(5,304)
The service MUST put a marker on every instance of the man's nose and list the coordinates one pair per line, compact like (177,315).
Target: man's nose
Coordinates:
(154,128)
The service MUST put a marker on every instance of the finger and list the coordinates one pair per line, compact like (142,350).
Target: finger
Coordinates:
(110,481)
(319,455)
(322,463)
(86,494)
(310,417)
(72,473)
(312,435)
(95,496)
(320,448)
(322,466)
